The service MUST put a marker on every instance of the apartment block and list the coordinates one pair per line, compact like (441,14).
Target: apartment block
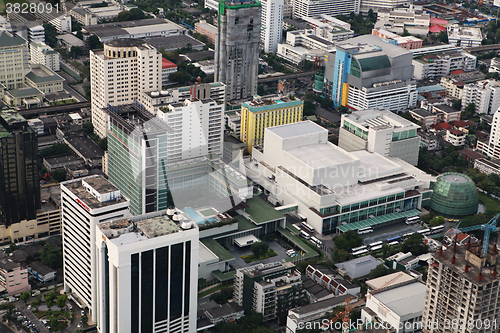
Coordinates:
(408,42)
(464,36)
(147,273)
(20,185)
(32,31)
(198,128)
(380,132)
(462,288)
(313,8)
(15,59)
(206,29)
(270,289)
(456,82)
(378,6)
(398,20)
(43,54)
(237,48)
(491,147)
(119,74)
(13,277)
(267,111)
(368,73)
(167,68)
(485,95)
(272,20)
(58,20)
(431,66)
(85,202)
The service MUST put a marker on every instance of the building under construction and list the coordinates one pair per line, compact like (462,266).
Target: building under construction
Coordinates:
(462,292)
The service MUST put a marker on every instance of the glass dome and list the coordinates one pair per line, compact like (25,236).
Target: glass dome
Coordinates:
(454,194)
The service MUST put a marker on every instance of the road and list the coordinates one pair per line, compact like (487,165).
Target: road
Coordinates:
(69,79)
(286,76)
(6,329)
(31,316)
(78,317)
(33,113)
(483,48)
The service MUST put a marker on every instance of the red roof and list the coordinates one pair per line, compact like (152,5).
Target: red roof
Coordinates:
(461,236)
(456,132)
(436,28)
(460,123)
(435,20)
(167,64)
(444,126)
(458,71)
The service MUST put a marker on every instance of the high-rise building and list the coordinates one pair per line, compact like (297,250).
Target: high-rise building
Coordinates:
(460,289)
(313,8)
(270,289)
(14,59)
(381,5)
(86,202)
(382,132)
(43,54)
(368,73)
(137,157)
(485,95)
(272,22)
(119,74)
(491,147)
(268,111)
(198,124)
(19,184)
(148,274)
(237,47)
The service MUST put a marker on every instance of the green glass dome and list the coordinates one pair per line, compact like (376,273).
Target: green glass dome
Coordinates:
(454,194)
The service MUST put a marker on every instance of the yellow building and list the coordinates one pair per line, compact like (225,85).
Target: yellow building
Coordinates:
(265,112)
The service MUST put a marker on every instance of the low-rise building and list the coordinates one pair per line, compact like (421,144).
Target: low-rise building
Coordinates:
(41,272)
(408,42)
(69,40)
(225,313)
(435,65)
(37,126)
(167,68)
(207,66)
(455,137)
(44,79)
(61,162)
(425,118)
(13,277)
(402,261)
(43,54)
(464,36)
(85,148)
(400,19)
(358,268)
(29,97)
(456,81)
(324,276)
(206,29)
(445,112)
(488,167)
(429,139)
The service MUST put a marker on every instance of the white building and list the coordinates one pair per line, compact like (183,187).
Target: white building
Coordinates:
(272,22)
(382,132)
(399,19)
(494,65)
(32,31)
(197,126)
(455,137)
(485,95)
(84,203)
(43,54)
(400,304)
(147,273)
(432,65)
(378,6)
(313,8)
(492,146)
(62,23)
(14,59)
(119,74)
(334,189)
(464,36)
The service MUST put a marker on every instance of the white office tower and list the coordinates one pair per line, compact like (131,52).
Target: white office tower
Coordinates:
(491,147)
(313,8)
(84,203)
(119,74)
(197,126)
(272,24)
(148,273)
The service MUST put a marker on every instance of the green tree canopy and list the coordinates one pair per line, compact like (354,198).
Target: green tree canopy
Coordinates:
(347,241)
(59,175)
(51,256)
(260,248)
(25,297)
(415,245)
(61,301)
(57,149)
(378,271)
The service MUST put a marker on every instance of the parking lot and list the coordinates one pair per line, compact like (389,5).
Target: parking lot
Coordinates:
(239,252)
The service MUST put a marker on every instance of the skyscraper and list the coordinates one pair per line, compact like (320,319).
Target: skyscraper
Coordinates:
(137,157)
(491,147)
(148,272)
(237,47)
(14,59)
(19,184)
(84,203)
(119,74)
(272,22)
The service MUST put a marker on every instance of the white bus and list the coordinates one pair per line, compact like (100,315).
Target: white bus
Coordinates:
(304,235)
(437,230)
(424,231)
(360,252)
(359,248)
(413,220)
(365,231)
(307,227)
(406,236)
(375,248)
(375,244)
(393,243)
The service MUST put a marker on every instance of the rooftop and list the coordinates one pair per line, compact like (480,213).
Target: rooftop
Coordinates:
(260,211)
(98,183)
(84,146)
(380,119)
(383,280)
(296,129)
(8,265)
(41,268)
(326,304)
(41,74)
(12,117)
(358,267)
(174,42)
(7,40)
(24,92)
(404,300)
(120,28)
(71,40)
(422,113)
(125,42)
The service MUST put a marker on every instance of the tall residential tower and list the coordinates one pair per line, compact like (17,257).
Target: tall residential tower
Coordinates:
(237,47)
(272,21)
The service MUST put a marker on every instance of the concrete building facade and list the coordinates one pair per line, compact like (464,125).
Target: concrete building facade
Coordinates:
(237,48)
(119,74)
(43,54)
(485,95)
(15,59)
(14,278)
(272,21)
(431,66)
(313,8)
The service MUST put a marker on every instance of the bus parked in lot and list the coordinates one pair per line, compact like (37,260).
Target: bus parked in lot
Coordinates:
(365,230)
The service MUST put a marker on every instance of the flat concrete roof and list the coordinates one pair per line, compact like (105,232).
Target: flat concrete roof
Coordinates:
(381,281)
(404,300)
(296,129)
(321,155)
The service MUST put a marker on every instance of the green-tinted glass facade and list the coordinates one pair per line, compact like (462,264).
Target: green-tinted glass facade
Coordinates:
(356,130)
(19,181)
(454,194)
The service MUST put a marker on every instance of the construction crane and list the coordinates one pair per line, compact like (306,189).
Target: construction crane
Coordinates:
(487,228)
(348,308)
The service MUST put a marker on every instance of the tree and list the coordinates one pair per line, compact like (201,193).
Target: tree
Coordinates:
(51,256)
(340,255)
(378,271)
(61,301)
(457,104)
(25,297)
(347,241)
(343,109)
(59,175)
(49,298)
(385,250)
(443,37)
(56,149)
(222,296)
(76,51)
(131,15)
(50,35)
(405,33)
(469,111)
(415,245)
(259,248)
(438,220)
(94,43)
(88,128)
(309,108)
